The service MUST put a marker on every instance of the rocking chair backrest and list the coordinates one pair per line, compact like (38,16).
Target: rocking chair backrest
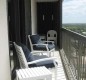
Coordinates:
(52,35)
(31,45)
(21,56)
(34,39)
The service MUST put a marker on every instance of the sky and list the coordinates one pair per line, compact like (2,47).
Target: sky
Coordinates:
(74,11)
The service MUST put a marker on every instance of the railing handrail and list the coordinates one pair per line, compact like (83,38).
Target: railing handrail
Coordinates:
(75,34)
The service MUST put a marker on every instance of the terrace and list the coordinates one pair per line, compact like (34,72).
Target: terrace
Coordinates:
(72,46)
(60,70)
(71,58)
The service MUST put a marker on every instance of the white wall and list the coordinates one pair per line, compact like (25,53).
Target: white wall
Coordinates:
(4,51)
(34,16)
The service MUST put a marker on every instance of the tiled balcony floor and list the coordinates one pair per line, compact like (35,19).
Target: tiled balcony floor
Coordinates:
(60,70)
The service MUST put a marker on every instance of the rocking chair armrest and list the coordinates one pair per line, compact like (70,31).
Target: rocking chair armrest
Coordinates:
(48,42)
(46,45)
(40,60)
(33,52)
(41,44)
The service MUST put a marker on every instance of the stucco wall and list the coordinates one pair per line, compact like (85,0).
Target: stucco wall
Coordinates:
(34,16)
(4,50)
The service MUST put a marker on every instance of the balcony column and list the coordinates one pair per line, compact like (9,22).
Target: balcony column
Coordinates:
(4,48)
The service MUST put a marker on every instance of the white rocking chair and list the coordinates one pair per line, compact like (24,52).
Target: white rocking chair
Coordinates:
(38,45)
(25,64)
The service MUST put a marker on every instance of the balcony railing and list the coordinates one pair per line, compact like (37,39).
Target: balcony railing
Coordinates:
(73,54)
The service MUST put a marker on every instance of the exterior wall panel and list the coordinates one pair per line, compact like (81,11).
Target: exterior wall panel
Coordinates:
(4,48)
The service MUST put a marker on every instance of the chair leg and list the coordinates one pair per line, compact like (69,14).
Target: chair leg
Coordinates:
(42,53)
(53,53)
(49,54)
(17,76)
(55,73)
(56,67)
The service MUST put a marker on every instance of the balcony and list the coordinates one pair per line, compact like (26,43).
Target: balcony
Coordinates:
(60,70)
(71,57)
(73,54)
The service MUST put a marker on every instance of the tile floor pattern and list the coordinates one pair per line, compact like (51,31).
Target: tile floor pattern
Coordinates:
(60,70)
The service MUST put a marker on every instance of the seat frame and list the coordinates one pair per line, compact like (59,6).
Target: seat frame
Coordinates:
(42,51)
